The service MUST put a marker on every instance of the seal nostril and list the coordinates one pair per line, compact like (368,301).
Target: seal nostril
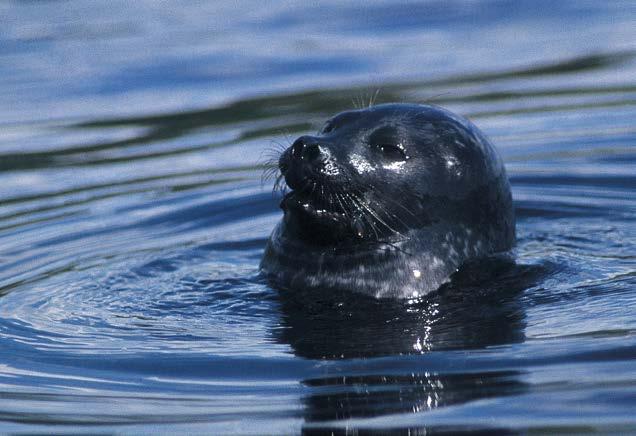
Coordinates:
(306,148)
(297,148)
(311,152)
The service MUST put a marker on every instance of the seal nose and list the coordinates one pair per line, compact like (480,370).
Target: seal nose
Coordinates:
(306,148)
(308,158)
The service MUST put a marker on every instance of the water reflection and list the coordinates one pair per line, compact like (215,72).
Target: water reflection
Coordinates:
(476,310)
(341,398)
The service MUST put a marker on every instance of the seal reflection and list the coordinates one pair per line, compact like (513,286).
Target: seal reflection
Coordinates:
(466,314)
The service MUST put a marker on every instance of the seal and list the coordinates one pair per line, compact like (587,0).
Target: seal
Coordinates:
(388,201)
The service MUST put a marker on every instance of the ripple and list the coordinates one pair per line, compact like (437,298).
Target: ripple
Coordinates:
(183,302)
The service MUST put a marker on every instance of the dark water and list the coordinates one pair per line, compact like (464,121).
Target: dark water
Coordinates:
(133,218)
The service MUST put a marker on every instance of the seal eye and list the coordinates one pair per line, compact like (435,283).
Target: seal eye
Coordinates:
(387,141)
(392,152)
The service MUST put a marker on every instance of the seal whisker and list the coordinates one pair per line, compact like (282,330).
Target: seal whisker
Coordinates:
(364,215)
(373,97)
(342,206)
(394,216)
(272,153)
(366,207)
(279,186)
(269,173)
(381,197)
(388,198)
(269,159)
(365,204)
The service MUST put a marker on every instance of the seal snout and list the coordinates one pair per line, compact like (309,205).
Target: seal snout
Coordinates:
(310,170)
(306,161)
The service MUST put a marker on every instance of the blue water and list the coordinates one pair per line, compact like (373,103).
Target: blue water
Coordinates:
(133,218)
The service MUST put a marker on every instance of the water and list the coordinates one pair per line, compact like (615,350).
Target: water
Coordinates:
(133,218)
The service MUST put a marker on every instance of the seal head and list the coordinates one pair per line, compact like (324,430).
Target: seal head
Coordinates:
(388,201)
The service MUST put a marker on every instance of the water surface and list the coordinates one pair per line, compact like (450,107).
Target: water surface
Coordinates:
(133,218)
